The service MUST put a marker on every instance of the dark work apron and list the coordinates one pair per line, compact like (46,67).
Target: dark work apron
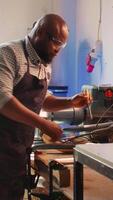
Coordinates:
(16,138)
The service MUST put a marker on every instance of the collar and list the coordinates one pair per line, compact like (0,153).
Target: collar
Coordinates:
(33,56)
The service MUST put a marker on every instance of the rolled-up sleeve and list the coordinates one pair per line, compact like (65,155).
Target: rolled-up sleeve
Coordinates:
(7,74)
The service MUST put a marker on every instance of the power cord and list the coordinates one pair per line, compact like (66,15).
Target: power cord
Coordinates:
(103,114)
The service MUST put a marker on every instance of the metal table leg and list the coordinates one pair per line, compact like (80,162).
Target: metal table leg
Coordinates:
(78,181)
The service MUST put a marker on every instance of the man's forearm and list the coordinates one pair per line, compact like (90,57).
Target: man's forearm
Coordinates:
(16,111)
(53,103)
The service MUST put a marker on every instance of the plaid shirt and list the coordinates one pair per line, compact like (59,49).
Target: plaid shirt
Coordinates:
(13,66)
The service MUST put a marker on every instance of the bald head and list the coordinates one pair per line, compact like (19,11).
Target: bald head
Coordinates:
(50,20)
(49,27)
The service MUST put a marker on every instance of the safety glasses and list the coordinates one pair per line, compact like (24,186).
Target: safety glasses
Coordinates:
(56,41)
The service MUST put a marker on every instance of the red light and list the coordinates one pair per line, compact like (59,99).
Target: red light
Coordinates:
(108,93)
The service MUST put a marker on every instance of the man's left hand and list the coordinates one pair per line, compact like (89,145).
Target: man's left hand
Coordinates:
(81,100)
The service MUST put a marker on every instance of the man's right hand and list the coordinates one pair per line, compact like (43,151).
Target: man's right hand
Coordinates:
(16,111)
(51,129)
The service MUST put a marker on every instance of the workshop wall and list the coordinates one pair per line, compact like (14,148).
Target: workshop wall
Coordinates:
(87,22)
(17,17)
(82,16)
(87,27)
(64,71)
(107,38)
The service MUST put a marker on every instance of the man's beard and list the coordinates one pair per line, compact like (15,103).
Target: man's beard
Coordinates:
(46,57)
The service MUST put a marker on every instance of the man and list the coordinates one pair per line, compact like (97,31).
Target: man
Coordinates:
(24,75)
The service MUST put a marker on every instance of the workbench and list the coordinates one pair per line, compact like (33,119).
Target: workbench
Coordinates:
(98,157)
(96,186)
(56,167)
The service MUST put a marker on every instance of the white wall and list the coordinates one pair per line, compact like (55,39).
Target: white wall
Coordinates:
(82,16)
(17,16)
(107,36)
(87,19)
(64,64)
